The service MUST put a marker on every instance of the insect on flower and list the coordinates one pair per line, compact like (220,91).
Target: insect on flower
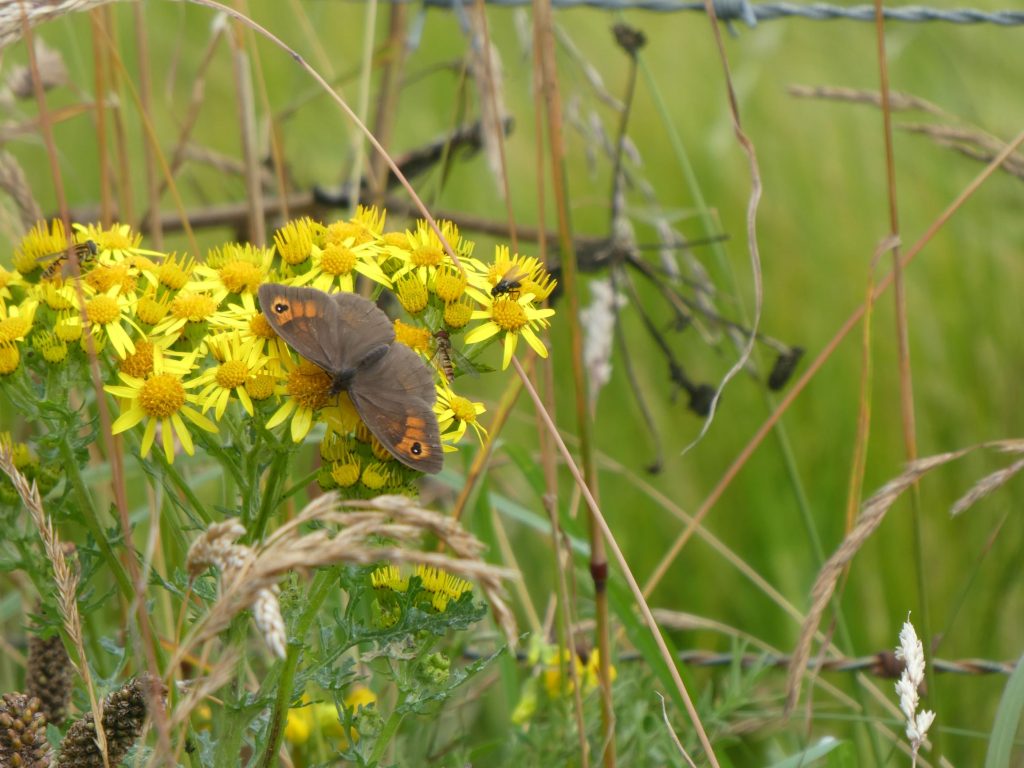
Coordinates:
(510,282)
(447,358)
(86,253)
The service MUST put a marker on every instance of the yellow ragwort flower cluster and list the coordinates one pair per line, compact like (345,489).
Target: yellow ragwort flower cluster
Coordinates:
(184,346)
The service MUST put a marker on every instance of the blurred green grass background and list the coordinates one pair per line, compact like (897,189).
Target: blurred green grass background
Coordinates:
(823,212)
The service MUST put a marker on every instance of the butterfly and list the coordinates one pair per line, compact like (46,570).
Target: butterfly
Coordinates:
(353,341)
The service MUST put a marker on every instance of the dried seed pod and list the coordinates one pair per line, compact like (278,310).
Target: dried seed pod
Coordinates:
(124,713)
(49,676)
(23,732)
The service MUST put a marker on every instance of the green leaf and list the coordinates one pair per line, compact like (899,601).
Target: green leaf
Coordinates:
(1008,716)
(810,756)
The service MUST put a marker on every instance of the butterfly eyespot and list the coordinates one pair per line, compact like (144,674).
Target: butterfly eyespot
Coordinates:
(416,449)
(280,307)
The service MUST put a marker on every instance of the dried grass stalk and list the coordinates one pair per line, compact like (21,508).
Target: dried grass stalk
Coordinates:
(15,13)
(872,514)
(65,576)
(15,184)
(985,486)
(250,575)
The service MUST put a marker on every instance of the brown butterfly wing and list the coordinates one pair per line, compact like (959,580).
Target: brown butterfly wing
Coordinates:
(395,399)
(335,331)
(363,326)
(302,317)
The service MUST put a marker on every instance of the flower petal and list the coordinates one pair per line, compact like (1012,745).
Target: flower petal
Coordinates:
(534,341)
(128,419)
(482,332)
(510,348)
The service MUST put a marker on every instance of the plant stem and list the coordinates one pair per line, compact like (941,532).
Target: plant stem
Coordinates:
(89,518)
(321,587)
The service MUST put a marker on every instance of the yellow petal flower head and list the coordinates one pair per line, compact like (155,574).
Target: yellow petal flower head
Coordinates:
(335,265)
(513,316)
(294,241)
(426,253)
(365,227)
(251,325)
(160,400)
(109,315)
(9,280)
(232,269)
(175,271)
(413,336)
(10,357)
(237,363)
(455,413)
(16,320)
(116,244)
(307,391)
(39,245)
(188,311)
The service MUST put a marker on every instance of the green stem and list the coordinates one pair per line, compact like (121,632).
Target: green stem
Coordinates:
(300,484)
(387,733)
(179,482)
(278,470)
(322,585)
(89,518)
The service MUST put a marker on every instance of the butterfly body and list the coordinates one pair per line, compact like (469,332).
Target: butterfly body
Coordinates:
(353,341)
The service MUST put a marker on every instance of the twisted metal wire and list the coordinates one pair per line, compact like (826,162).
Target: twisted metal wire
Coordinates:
(751,14)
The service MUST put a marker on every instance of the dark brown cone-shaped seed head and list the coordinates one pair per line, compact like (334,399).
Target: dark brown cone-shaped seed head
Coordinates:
(48,676)
(22,732)
(124,713)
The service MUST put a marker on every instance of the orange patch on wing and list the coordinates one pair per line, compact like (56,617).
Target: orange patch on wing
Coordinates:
(414,434)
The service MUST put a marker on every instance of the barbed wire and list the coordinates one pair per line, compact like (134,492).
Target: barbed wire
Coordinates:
(883,664)
(751,14)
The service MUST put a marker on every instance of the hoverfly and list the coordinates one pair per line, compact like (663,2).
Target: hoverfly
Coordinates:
(86,253)
(448,358)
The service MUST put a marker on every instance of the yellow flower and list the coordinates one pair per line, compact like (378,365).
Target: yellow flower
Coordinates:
(425,254)
(9,358)
(300,723)
(307,391)
(108,314)
(413,336)
(366,226)
(118,243)
(40,245)
(519,274)
(174,273)
(294,241)
(233,269)
(389,577)
(513,316)
(237,363)
(7,280)
(50,347)
(454,413)
(449,283)
(334,266)
(412,295)
(251,325)
(187,309)
(458,313)
(375,476)
(16,320)
(161,400)
(442,586)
